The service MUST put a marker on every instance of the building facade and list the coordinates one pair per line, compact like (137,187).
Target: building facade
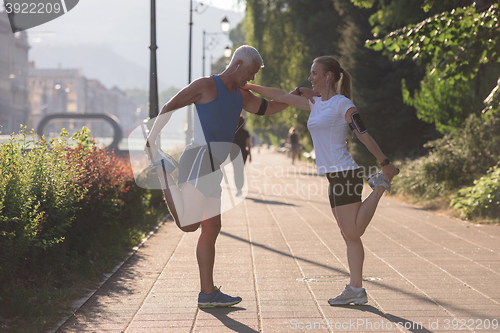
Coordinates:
(55,90)
(14,104)
(63,90)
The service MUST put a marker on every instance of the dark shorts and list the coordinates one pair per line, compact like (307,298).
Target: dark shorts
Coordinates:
(198,168)
(345,187)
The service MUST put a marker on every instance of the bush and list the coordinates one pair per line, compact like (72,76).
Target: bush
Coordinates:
(482,199)
(454,161)
(38,197)
(68,211)
(110,195)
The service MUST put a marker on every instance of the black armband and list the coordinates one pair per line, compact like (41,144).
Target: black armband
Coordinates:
(357,123)
(263,108)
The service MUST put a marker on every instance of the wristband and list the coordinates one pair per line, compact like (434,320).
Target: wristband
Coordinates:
(385,162)
(297,90)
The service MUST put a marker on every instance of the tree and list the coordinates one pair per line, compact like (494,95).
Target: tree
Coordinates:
(291,33)
(462,52)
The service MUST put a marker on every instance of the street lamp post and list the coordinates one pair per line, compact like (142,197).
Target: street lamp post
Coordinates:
(224,25)
(153,77)
(189,129)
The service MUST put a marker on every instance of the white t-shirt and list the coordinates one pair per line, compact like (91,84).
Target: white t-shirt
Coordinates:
(328,129)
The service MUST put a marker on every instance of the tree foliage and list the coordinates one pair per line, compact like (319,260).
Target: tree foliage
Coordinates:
(457,42)
(394,14)
(446,102)
(290,34)
(462,51)
(454,161)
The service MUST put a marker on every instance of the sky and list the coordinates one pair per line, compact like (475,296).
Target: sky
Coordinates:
(233,5)
(123,27)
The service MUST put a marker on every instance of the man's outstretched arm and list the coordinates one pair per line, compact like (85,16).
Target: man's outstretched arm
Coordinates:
(257,105)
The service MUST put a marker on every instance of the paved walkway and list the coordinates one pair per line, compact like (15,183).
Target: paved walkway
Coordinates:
(281,251)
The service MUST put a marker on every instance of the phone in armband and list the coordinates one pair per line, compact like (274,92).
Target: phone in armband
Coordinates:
(357,123)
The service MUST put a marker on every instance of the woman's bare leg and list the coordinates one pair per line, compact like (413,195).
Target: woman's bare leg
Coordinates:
(367,209)
(353,219)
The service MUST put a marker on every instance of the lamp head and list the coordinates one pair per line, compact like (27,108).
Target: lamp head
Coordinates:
(224,24)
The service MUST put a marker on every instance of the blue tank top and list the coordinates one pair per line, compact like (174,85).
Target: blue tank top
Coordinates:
(217,121)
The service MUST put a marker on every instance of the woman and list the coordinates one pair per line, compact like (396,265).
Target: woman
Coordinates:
(331,116)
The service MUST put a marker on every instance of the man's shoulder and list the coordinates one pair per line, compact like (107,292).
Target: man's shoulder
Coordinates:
(205,84)
(206,81)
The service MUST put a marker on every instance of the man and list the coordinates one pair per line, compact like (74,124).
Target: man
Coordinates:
(219,100)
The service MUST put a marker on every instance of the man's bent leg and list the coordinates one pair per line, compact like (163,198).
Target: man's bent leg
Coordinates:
(186,203)
(172,194)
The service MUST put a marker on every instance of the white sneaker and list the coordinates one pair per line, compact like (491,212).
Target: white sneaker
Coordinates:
(349,296)
(378,179)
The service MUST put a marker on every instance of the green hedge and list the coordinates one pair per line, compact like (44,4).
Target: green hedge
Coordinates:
(482,200)
(455,161)
(38,196)
(66,207)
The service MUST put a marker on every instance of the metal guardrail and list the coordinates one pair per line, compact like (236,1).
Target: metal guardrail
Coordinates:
(112,120)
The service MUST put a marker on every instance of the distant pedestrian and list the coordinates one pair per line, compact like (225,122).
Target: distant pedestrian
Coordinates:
(254,139)
(331,116)
(293,140)
(243,145)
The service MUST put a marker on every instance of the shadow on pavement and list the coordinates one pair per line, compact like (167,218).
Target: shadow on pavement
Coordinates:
(222,315)
(259,201)
(395,320)
(413,295)
(120,285)
(343,272)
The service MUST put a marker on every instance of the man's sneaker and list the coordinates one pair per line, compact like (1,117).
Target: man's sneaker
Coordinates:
(168,163)
(216,299)
(378,179)
(349,296)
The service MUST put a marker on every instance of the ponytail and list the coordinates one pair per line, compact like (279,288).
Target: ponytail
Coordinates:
(342,83)
(346,84)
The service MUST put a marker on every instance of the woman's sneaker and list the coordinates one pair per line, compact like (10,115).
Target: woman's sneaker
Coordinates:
(349,296)
(168,163)
(216,299)
(378,179)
